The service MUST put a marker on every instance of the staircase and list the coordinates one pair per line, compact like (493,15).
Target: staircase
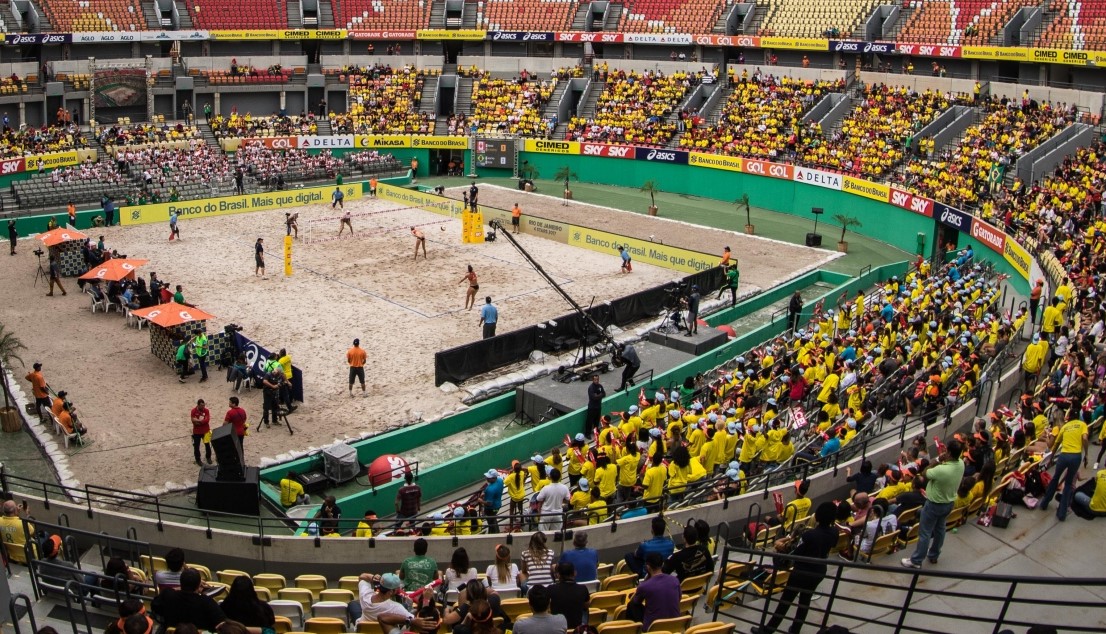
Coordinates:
(153,16)
(323,126)
(580,20)
(904,15)
(326,16)
(209,136)
(758,20)
(8,18)
(45,25)
(468,17)
(464,95)
(550,109)
(720,23)
(295,15)
(426,97)
(614,15)
(587,109)
(437,15)
(441,125)
(185,18)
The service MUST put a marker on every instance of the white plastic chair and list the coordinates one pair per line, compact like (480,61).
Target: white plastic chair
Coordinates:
(288,608)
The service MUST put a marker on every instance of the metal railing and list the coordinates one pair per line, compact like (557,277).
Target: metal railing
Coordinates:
(896,599)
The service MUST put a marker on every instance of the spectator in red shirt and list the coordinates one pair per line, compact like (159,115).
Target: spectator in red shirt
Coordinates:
(237,416)
(201,430)
(408,498)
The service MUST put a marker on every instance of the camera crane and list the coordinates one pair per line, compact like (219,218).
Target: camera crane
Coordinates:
(581,368)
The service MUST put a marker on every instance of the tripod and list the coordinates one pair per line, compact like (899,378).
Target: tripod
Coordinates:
(41,272)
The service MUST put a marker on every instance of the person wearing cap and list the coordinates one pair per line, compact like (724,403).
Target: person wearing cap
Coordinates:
(259,258)
(492,498)
(579,502)
(365,526)
(693,299)
(39,388)
(356,358)
(379,605)
(596,394)
(1033,360)
(629,466)
(1035,299)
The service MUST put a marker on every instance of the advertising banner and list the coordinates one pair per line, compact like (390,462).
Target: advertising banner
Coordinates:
(471,35)
(989,235)
(661,156)
(952,217)
(314,34)
(818,178)
(173,36)
(854,46)
(440,142)
(767,168)
(748,41)
(551,147)
(382,35)
(17,39)
(381,140)
(101,37)
(795,43)
(50,161)
(867,189)
(997,53)
(256,356)
(227,205)
(716,161)
(1017,257)
(928,50)
(520,36)
(422,200)
(325,142)
(580,36)
(246,35)
(612,151)
(644,251)
(911,202)
(657,38)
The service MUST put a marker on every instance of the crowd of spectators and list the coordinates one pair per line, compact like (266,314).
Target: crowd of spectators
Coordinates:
(879,132)
(511,106)
(962,174)
(634,107)
(29,140)
(762,117)
(385,100)
(276,124)
(146,133)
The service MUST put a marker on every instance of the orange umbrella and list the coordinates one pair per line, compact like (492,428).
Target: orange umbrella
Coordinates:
(60,235)
(171,314)
(114,270)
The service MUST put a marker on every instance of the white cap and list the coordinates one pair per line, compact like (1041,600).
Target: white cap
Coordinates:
(580,438)
(633,409)
(735,464)
(437,516)
(536,457)
(851,423)
(712,417)
(583,484)
(458,511)
(733,474)
(675,414)
(492,473)
(655,432)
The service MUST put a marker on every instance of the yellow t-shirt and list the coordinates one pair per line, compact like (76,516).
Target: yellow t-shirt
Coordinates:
(1098,500)
(597,511)
(290,491)
(627,470)
(517,490)
(1071,436)
(653,483)
(606,479)
(801,508)
(579,500)
(363,530)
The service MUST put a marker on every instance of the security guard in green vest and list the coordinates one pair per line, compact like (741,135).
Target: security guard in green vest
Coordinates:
(199,348)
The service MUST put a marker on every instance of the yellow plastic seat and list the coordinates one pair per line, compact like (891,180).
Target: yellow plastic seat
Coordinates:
(676,625)
(271,581)
(314,583)
(324,625)
(620,627)
(619,582)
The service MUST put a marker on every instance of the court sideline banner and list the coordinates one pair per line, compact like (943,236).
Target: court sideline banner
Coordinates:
(227,205)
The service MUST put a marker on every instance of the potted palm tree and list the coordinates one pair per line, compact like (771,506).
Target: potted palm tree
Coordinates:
(529,173)
(10,345)
(846,223)
(652,188)
(743,203)
(564,174)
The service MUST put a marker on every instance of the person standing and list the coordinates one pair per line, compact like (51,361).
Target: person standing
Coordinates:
(633,364)
(259,258)
(338,199)
(489,317)
(814,543)
(236,416)
(470,295)
(1069,448)
(943,478)
(627,265)
(285,361)
(199,347)
(39,388)
(239,182)
(109,210)
(516,218)
(291,224)
(270,389)
(733,277)
(201,431)
(346,221)
(794,307)
(693,311)
(492,499)
(182,361)
(55,276)
(13,234)
(408,498)
(420,241)
(174,230)
(596,394)
(1035,300)
(207,112)
(356,358)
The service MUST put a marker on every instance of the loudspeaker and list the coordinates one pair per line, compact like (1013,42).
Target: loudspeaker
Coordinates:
(227,453)
(241,496)
(813,239)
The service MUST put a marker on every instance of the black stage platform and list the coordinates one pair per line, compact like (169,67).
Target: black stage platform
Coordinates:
(546,398)
(702,342)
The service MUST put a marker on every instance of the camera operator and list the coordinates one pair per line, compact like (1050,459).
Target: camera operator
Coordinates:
(625,353)
(693,311)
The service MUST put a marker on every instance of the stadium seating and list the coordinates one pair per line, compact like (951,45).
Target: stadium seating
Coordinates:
(633,108)
(527,15)
(813,18)
(1080,25)
(872,137)
(31,140)
(15,85)
(382,14)
(384,100)
(248,125)
(95,15)
(759,116)
(670,16)
(244,14)
(510,107)
(961,22)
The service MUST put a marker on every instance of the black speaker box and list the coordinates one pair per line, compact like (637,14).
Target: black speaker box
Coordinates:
(813,239)
(227,453)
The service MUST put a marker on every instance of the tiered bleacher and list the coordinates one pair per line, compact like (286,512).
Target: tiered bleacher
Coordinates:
(525,15)
(510,106)
(248,125)
(385,100)
(16,85)
(962,22)
(876,135)
(243,14)
(634,107)
(382,14)
(95,15)
(248,75)
(812,18)
(30,140)
(147,134)
(1080,25)
(760,117)
(670,16)
(961,175)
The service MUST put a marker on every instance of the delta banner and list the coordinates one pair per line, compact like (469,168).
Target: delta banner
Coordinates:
(227,205)
(453,35)
(661,255)
(682,39)
(335,142)
(372,34)
(818,178)
(256,356)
